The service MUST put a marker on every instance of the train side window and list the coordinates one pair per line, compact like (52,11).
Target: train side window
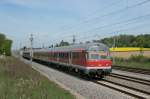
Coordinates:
(55,55)
(59,55)
(75,55)
(67,55)
(62,55)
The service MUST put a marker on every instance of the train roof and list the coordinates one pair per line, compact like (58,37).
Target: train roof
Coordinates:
(76,47)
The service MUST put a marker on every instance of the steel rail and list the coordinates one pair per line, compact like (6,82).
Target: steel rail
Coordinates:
(123,91)
(129,78)
(117,89)
(139,90)
(130,69)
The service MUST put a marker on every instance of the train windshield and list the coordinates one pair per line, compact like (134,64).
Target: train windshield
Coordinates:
(96,56)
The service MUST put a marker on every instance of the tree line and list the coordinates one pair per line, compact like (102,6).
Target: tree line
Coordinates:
(62,43)
(142,41)
(5,45)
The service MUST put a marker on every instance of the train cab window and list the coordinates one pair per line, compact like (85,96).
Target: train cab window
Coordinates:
(97,56)
(94,56)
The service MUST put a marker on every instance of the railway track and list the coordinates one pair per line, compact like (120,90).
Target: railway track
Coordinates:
(124,89)
(135,70)
(129,78)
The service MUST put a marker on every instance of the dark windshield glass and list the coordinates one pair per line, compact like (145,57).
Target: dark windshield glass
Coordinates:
(97,56)
(94,56)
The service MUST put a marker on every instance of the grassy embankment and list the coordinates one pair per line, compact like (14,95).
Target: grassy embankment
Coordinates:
(132,64)
(20,81)
(134,61)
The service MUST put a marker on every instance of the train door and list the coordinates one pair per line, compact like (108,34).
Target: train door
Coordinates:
(70,57)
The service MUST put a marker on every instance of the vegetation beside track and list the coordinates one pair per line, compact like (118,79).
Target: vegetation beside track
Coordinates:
(20,81)
(5,45)
(139,61)
(133,65)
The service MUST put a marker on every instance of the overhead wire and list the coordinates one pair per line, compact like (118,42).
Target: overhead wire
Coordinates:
(117,31)
(116,12)
(120,22)
(132,6)
(91,14)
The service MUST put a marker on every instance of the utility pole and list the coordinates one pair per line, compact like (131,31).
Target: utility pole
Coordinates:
(43,45)
(31,49)
(114,45)
(20,51)
(74,39)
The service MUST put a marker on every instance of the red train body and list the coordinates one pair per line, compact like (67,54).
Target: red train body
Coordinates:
(89,59)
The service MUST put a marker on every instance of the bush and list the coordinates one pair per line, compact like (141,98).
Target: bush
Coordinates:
(139,58)
(5,45)
(119,59)
(134,58)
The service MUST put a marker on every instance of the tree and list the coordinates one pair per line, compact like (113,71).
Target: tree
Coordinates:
(5,45)
(87,42)
(51,46)
(2,39)
(63,43)
(128,41)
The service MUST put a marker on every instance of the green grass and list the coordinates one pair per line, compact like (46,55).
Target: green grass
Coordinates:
(133,64)
(20,81)
(135,61)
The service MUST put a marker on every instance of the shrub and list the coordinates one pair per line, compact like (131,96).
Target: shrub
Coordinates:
(139,58)
(134,58)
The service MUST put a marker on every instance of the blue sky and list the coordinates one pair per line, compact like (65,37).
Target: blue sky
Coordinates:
(50,21)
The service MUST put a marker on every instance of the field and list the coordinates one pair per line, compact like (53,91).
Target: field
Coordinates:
(139,61)
(133,64)
(124,55)
(20,81)
(127,52)
(120,49)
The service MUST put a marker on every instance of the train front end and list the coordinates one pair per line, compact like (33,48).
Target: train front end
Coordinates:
(99,62)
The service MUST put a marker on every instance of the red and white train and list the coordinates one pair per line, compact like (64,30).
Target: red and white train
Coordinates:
(91,59)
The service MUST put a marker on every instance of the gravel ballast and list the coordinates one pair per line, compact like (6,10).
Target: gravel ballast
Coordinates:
(81,88)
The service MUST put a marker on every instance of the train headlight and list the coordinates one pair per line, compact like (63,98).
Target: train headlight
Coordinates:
(99,65)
